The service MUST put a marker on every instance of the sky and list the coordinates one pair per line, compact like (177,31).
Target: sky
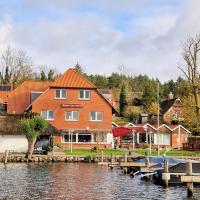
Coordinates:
(145,36)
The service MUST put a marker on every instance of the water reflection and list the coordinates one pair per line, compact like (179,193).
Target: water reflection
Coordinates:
(78,181)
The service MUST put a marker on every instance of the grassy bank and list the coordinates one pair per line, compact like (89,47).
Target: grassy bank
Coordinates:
(169,153)
(88,152)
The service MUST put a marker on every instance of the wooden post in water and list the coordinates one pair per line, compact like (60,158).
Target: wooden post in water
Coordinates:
(147,162)
(125,161)
(6,157)
(166,175)
(101,156)
(111,160)
(189,184)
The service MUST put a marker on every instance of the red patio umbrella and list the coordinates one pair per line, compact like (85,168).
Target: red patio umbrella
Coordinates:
(121,131)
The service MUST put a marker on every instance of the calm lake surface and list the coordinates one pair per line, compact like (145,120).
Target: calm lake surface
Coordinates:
(78,181)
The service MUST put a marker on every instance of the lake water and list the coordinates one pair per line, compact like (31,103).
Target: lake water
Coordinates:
(79,181)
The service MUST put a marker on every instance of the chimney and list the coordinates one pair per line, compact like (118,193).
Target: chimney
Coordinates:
(170,96)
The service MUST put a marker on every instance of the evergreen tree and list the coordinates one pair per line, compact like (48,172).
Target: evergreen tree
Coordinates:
(51,75)
(79,69)
(7,76)
(122,101)
(43,76)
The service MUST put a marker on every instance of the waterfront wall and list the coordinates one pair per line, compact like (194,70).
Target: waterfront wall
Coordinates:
(50,158)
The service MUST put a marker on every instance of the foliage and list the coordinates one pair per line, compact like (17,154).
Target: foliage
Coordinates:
(33,127)
(189,113)
(43,76)
(57,144)
(132,113)
(153,108)
(15,67)
(122,101)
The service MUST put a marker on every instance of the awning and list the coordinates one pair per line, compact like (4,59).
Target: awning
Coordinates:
(121,131)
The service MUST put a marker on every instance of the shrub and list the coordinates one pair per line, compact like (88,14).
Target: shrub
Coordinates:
(145,146)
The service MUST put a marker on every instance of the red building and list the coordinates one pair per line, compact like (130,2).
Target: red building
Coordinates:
(72,104)
(173,136)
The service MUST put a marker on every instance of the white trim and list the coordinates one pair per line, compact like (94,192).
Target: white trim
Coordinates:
(72,112)
(96,120)
(130,125)
(60,92)
(84,91)
(48,119)
(36,99)
(182,128)
(113,123)
(37,92)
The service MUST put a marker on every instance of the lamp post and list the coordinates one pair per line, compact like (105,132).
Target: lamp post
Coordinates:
(150,143)
(71,138)
(133,134)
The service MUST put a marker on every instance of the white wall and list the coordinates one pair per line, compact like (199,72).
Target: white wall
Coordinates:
(17,143)
(110,139)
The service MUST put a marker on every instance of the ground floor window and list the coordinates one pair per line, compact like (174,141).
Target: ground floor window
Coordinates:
(100,137)
(66,137)
(83,137)
(164,138)
(86,137)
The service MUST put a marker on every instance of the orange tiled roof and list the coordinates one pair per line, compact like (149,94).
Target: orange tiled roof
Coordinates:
(4,96)
(19,99)
(72,79)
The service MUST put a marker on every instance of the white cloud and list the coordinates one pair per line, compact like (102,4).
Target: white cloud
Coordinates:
(149,42)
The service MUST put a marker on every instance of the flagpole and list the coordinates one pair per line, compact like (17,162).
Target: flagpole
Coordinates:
(158,120)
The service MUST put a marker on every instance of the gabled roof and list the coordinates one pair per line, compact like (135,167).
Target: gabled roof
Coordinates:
(72,79)
(166,105)
(19,98)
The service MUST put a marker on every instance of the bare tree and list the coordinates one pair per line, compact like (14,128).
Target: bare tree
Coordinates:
(15,66)
(191,53)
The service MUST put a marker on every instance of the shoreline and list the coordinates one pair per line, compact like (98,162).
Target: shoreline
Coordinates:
(16,158)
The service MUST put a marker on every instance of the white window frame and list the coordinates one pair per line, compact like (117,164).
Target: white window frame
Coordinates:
(48,111)
(161,138)
(84,94)
(96,113)
(72,114)
(60,91)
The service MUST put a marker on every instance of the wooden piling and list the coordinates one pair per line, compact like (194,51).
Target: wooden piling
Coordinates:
(147,161)
(189,184)
(111,160)
(166,175)
(6,157)
(125,161)
(102,157)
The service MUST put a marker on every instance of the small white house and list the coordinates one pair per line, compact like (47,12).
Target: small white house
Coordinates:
(10,135)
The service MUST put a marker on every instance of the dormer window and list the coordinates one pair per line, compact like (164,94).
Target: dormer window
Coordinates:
(61,94)
(84,94)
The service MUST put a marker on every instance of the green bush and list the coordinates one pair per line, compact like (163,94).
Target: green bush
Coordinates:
(88,159)
(145,146)
(57,144)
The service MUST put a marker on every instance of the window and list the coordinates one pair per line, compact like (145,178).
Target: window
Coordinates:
(164,139)
(67,138)
(71,115)
(100,137)
(84,94)
(48,114)
(83,137)
(96,116)
(61,94)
